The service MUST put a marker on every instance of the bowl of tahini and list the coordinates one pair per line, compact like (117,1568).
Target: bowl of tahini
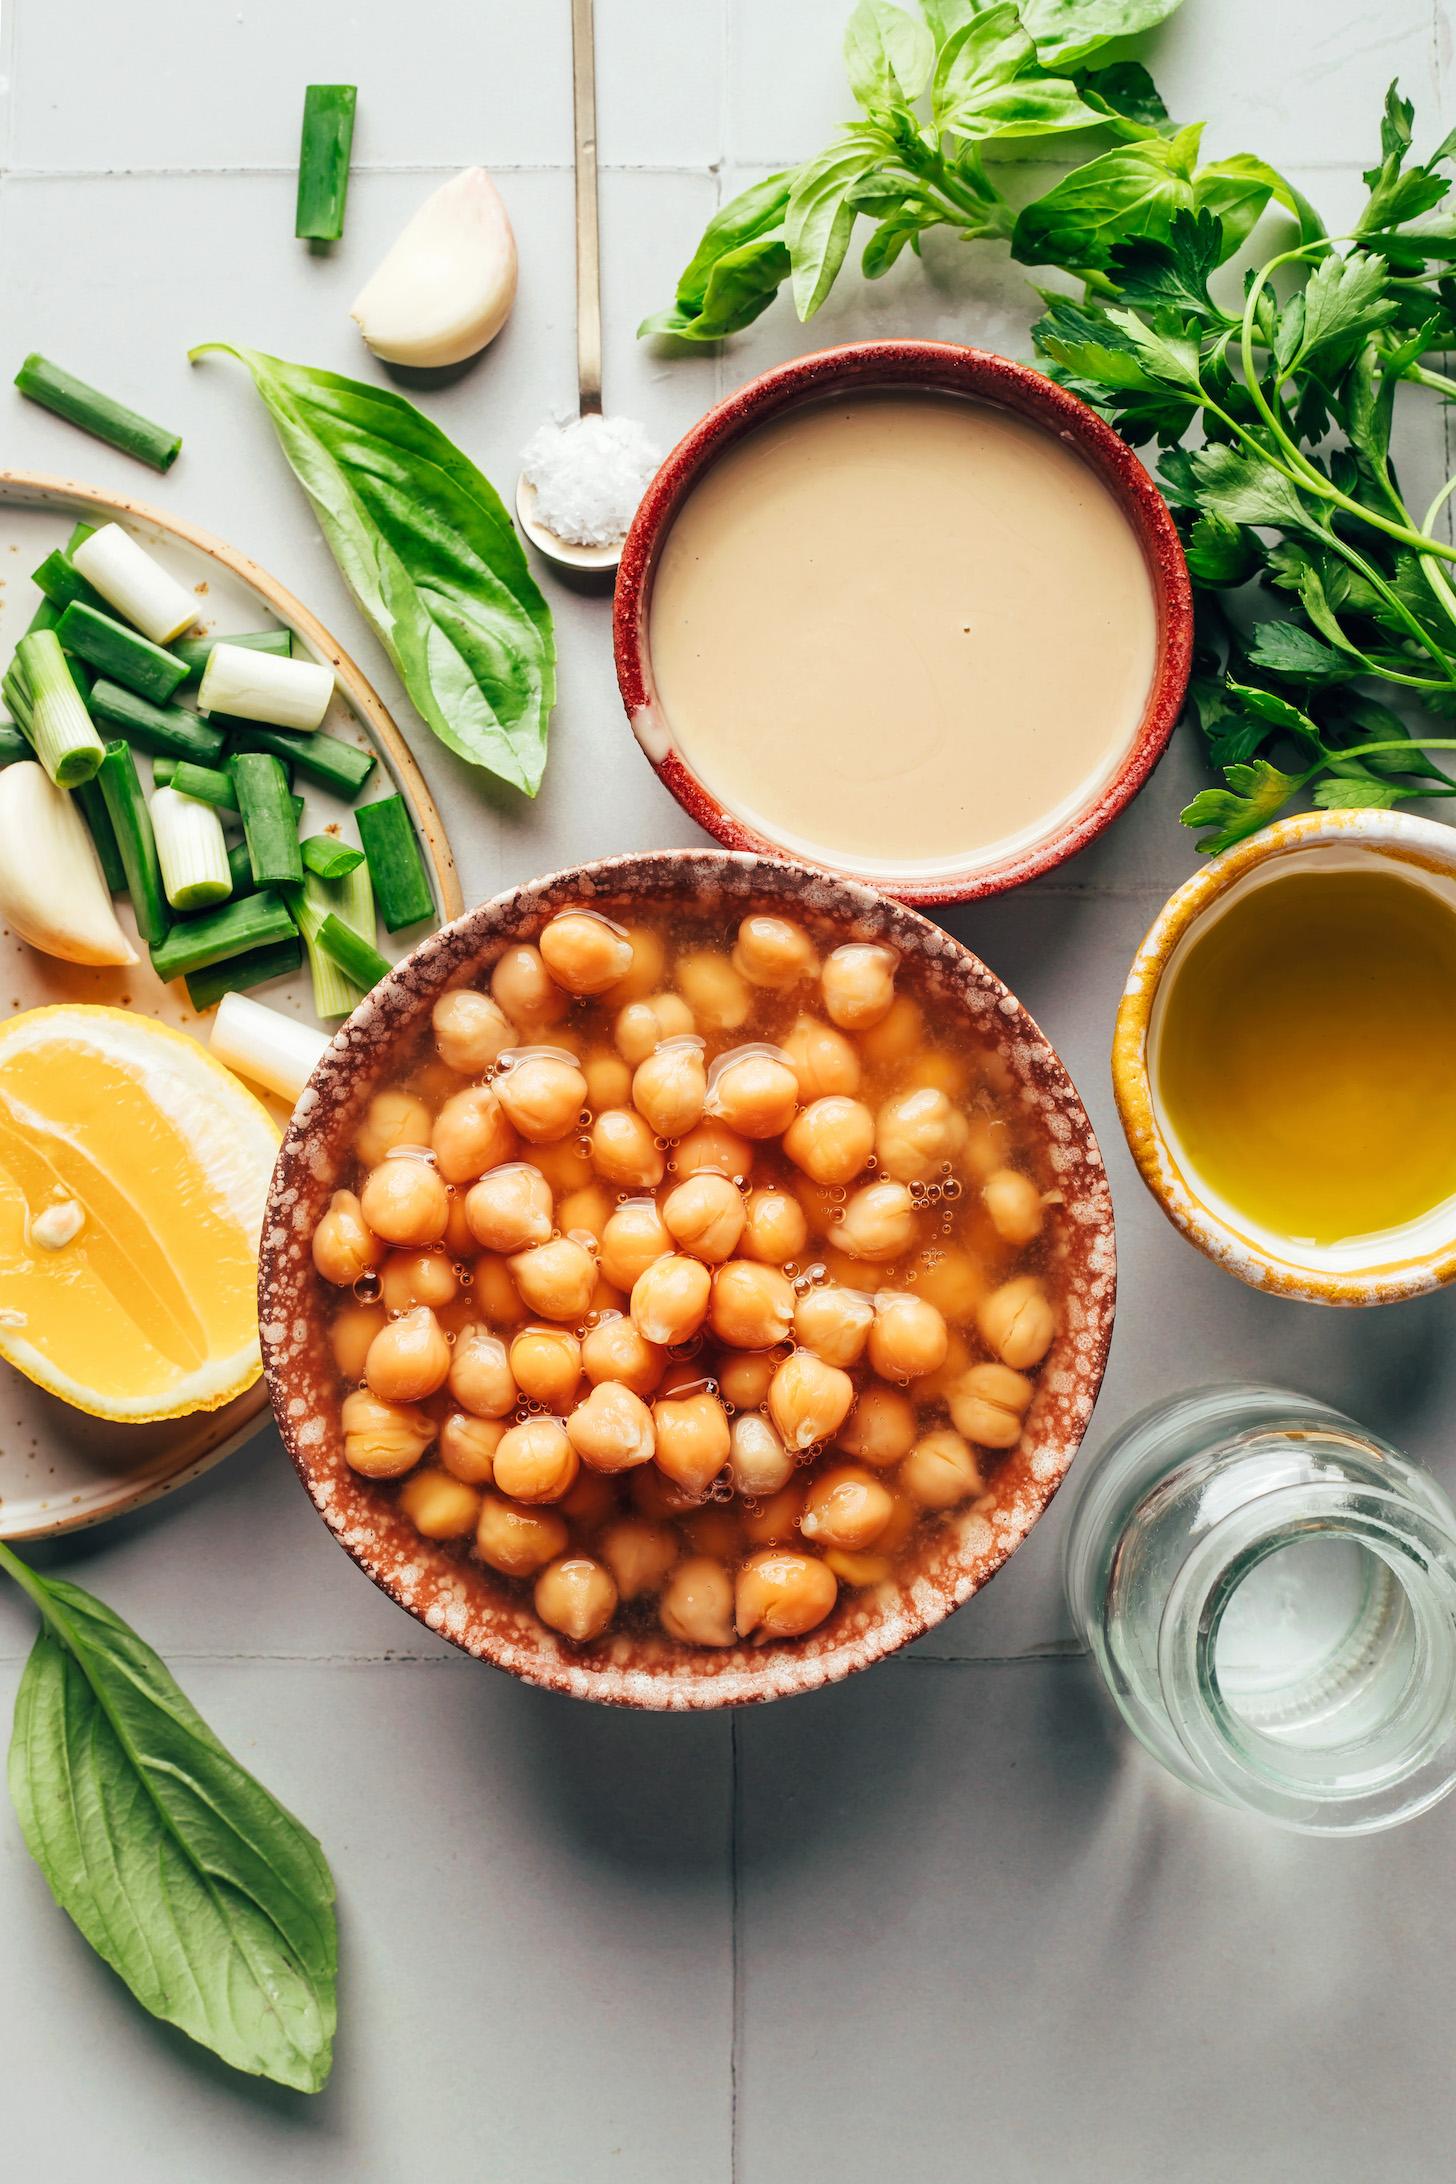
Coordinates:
(908,612)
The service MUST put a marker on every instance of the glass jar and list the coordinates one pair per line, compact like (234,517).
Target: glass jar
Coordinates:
(1270,1594)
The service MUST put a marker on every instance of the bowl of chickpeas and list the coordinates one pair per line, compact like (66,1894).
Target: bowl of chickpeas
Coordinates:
(686,1279)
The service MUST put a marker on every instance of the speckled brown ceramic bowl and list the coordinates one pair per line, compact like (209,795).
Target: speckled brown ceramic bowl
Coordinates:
(940,367)
(458,1596)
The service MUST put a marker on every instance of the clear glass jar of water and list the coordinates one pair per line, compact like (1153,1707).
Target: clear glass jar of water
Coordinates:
(1270,1594)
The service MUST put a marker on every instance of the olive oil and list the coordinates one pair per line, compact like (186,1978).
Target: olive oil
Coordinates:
(1307,1054)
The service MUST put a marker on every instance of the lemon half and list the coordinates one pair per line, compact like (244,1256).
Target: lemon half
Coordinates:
(134,1171)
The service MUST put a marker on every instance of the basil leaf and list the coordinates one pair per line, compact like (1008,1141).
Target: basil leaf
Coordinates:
(888,55)
(945,17)
(1132,190)
(753,212)
(742,285)
(1126,98)
(429,552)
(820,216)
(1068,30)
(988,83)
(212,1903)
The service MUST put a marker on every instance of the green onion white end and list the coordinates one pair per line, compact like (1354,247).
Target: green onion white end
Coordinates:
(350,899)
(66,743)
(52,889)
(259,686)
(191,851)
(139,588)
(265,1046)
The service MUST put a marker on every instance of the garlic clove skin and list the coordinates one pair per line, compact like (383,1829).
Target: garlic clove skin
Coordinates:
(446,286)
(52,890)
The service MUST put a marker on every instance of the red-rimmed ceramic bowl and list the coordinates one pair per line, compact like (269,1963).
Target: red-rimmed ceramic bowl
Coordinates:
(940,367)
(457,1595)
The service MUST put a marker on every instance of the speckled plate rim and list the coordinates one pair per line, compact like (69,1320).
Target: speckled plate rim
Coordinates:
(953,368)
(1406,840)
(223,1431)
(431,1586)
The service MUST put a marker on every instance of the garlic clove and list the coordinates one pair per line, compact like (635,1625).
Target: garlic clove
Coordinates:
(446,287)
(52,891)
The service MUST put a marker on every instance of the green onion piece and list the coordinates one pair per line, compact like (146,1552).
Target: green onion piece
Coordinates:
(166,729)
(80,532)
(121,786)
(14,746)
(355,958)
(236,973)
(45,617)
(240,868)
(92,799)
(328,760)
(297,803)
(233,929)
(323,161)
(333,993)
(191,851)
(329,857)
(65,742)
(55,390)
(195,650)
(207,784)
(61,583)
(16,695)
(400,880)
(268,822)
(120,652)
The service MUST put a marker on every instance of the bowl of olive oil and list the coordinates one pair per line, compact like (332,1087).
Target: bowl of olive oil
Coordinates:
(1285,1058)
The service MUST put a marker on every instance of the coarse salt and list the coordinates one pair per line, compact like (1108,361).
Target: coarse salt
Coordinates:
(588,475)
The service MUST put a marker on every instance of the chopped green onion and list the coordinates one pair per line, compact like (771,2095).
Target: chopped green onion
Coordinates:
(15,746)
(334,764)
(333,993)
(233,929)
(120,652)
(278,960)
(55,390)
(400,880)
(45,617)
(259,686)
(134,584)
(61,583)
(274,1050)
(355,958)
(80,532)
(206,784)
(92,800)
(323,161)
(166,729)
(122,788)
(191,851)
(268,821)
(329,857)
(195,650)
(66,743)
(240,868)
(17,697)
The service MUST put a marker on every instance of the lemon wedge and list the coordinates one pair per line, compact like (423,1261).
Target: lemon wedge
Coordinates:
(134,1171)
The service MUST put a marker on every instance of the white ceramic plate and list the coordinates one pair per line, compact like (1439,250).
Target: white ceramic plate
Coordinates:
(58,1468)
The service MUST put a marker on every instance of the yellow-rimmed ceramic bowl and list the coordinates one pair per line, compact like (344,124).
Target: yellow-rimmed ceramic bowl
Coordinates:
(1383,1269)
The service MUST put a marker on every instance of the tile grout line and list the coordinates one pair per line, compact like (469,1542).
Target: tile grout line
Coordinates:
(359,167)
(735,2037)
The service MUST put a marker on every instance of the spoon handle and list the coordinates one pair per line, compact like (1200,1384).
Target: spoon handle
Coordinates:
(588,245)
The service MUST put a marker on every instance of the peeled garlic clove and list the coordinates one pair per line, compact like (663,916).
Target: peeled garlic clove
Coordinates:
(447,286)
(52,892)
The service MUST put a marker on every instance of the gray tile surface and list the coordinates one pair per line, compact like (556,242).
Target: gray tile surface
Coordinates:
(944,1921)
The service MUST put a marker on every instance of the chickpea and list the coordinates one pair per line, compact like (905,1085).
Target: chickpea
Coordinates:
(518,1542)
(758,1461)
(535,1462)
(988,1404)
(808,1400)
(495,1293)
(909,1337)
(408,1278)
(510,1208)
(556,1279)
(408,1358)
(754,1092)
(781,1594)
(822,1059)
(941,1470)
(671,1086)
(394,1118)
(613,1350)
(575,1594)
(525,989)
(692,1440)
(648,966)
(717,994)
(608,1078)
(706,1216)
(916,1134)
(954,1283)
(383,1440)
(936,1387)
(847,1273)
(590,1502)
(670,1299)
(882,1427)
(655,1497)
(643,1026)
(612,1429)
(711,1530)
(858,982)
(1017,1322)
(635,1235)
(743,1377)
(624,1150)
(468,1446)
(775,1521)
(545,1363)
(542,1092)
(834,1323)
(774,1230)
(585,952)
(566,1165)
(988,1141)
(697,1603)
(774,953)
(585,1213)
(457,1240)
(439,1506)
(943,1072)
(471,1032)
(832,1139)
(638,1554)
(879,1222)
(714,1149)
(343,1246)
(846,1507)
(404,1199)
(351,1331)
(859,1570)
(1014,1204)
(897,1038)
(753,1305)
(471,1134)
(480,1378)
